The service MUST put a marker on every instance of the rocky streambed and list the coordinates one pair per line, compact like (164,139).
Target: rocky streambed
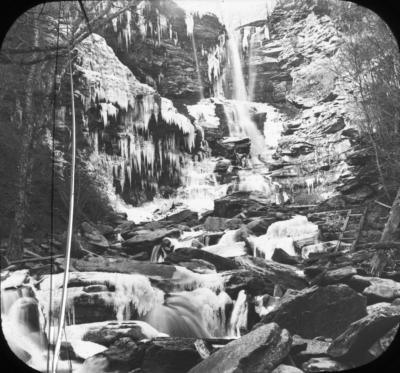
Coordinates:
(250,285)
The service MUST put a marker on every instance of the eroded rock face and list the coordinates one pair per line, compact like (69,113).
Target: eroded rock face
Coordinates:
(318,311)
(258,351)
(298,70)
(160,50)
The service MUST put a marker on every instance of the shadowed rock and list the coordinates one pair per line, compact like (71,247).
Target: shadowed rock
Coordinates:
(259,351)
(318,311)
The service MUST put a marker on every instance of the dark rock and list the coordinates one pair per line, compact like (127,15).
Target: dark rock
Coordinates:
(170,355)
(350,133)
(104,229)
(187,254)
(238,202)
(335,126)
(323,364)
(260,226)
(187,217)
(252,282)
(283,274)
(281,256)
(232,148)
(222,166)
(147,239)
(124,355)
(352,345)
(335,276)
(318,311)
(335,202)
(259,351)
(94,237)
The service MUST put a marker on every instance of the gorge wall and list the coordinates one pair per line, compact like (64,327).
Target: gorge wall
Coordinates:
(320,151)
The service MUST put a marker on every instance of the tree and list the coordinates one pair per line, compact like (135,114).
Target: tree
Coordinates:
(369,57)
(29,52)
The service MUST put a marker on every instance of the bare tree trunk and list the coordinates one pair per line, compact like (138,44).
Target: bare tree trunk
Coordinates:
(15,246)
(381,257)
(393,223)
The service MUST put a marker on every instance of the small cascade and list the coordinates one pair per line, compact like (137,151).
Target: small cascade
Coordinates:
(23,324)
(198,313)
(238,320)
(284,234)
(199,185)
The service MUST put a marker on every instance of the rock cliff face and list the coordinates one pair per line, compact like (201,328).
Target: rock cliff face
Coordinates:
(127,129)
(154,40)
(130,132)
(318,153)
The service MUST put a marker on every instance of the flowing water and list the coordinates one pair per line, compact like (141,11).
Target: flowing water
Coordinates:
(196,304)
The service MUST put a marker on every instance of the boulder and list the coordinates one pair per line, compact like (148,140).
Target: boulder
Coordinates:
(186,217)
(170,355)
(318,311)
(188,254)
(259,226)
(282,274)
(352,345)
(259,351)
(238,202)
(253,283)
(146,240)
(124,355)
(94,237)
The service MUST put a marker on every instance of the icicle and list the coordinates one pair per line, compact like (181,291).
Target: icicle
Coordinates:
(114,23)
(189,24)
(175,38)
(170,31)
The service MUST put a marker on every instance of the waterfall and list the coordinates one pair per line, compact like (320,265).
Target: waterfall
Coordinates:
(240,98)
(197,313)
(238,321)
(190,33)
(197,67)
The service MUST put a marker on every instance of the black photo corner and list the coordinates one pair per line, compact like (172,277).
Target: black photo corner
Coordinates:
(389,361)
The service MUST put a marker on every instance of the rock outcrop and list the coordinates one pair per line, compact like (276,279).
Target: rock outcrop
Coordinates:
(258,351)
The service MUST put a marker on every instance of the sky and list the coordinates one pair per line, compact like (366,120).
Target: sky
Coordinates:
(231,12)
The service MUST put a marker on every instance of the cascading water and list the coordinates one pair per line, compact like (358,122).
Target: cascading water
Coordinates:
(283,234)
(190,33)
(242,125)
